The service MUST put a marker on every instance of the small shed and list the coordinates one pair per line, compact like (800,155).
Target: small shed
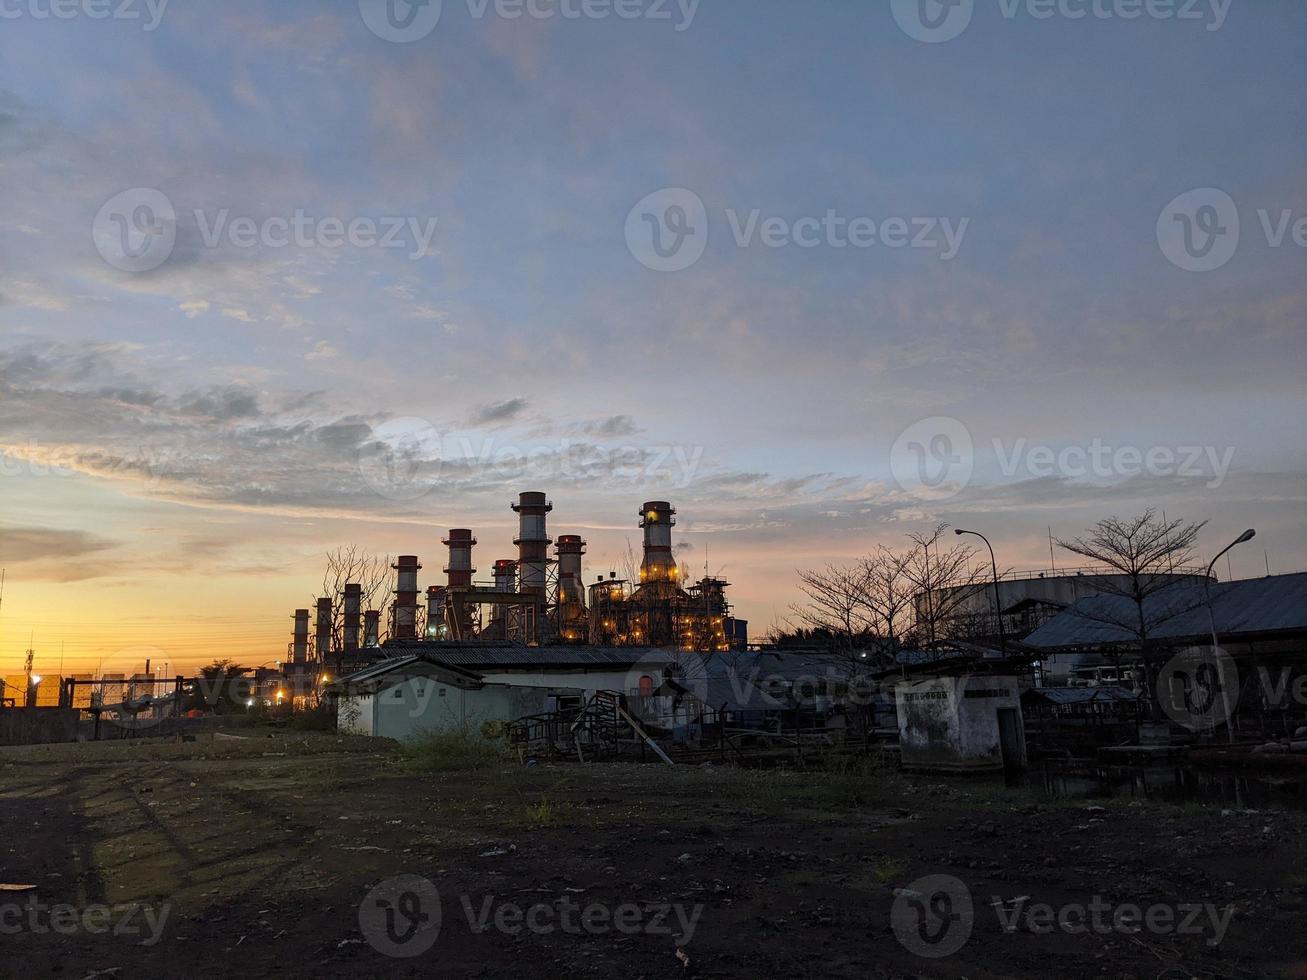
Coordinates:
(965,723)
(409,696)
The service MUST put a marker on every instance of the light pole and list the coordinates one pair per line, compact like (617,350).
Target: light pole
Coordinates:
(998,603)
(1247,535)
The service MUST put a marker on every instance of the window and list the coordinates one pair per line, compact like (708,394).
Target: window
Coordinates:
(646,686)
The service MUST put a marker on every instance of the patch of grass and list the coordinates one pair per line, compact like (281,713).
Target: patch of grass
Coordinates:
(887,870)
(542,814)
(451,751)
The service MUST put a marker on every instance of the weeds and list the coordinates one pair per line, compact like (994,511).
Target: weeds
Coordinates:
(451,751)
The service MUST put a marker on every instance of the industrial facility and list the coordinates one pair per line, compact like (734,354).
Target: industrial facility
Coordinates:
(532,600)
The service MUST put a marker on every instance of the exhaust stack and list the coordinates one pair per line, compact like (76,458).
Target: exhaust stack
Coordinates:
(323,631)
(657,517)
(533,542)
(353,615)
(405,609)
(571,590)
(372,628)
(460,569)
(300,646)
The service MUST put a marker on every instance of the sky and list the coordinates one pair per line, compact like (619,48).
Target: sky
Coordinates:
(277,278)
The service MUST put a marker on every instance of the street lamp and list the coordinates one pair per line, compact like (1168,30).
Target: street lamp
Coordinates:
(998,603)
(1247,535)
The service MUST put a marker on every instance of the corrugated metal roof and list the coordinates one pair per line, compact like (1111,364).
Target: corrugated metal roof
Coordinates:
(475,656)
(1081,695)
(1277,603)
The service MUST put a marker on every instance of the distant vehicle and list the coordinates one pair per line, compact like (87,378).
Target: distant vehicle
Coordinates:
(1105,676)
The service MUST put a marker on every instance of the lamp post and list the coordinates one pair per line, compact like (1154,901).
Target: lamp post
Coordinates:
(1247,535)
(998,603)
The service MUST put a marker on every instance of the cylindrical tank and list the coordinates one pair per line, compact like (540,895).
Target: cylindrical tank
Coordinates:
(460,568)
(323,629)
(353,615)
(532,541)
(300,646)
(657,517)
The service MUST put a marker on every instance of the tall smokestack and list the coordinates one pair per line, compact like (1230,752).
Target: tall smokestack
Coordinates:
(404,623)
(657,518)
(372,628)
(323,646)
(353,615)
(571,590)
(532,541)
(300,646)
(435,612)
(460,568)
(505,575)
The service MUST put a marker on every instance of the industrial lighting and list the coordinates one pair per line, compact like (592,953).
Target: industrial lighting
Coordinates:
(36,679)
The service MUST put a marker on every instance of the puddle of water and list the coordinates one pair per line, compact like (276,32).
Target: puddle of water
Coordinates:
(1174,784)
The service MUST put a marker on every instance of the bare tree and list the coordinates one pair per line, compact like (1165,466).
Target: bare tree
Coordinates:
(351,565)
(887,597)
(1139,556)
(837,605)
(944,582)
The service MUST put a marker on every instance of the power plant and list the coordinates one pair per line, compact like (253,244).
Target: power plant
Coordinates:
(537,599)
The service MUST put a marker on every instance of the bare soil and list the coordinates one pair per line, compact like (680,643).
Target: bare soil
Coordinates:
(261,851)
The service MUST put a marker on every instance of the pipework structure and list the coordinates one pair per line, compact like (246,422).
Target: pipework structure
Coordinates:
(535,599)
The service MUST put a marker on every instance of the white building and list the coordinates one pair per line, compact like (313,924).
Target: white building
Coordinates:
(446,687)
(968,723)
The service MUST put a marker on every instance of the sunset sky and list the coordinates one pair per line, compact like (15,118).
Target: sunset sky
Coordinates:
(179,446)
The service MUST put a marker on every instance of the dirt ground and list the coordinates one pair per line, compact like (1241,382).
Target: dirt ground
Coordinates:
(254,858)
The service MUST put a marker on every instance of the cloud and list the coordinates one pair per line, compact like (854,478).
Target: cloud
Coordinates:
(322,351)
(19,545)
(495,412)
(193,308)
